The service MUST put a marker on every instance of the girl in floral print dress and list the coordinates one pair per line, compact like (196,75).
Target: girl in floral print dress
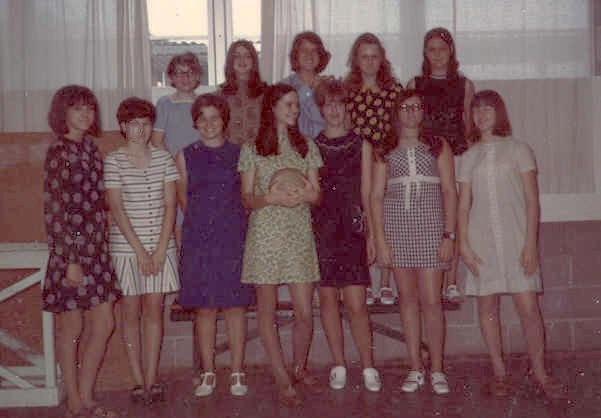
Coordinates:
(79,276)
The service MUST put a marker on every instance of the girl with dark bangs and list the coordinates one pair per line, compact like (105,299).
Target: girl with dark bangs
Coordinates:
(498,234)
(79,276)
(280,247)
(413,203)
(243,90)
(373,92)
(447,95)
(308,58)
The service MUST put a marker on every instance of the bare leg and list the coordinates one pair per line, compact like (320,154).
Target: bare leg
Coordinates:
(450,276)
(206,328)
(409,306)
(102,325)
(330,320)
(302,300)
(430,285)
(385,274)
(69,327)
(490,324)
(532,324)
(152,320)
(354,297)
(130,317)
(266,305)
(236,331)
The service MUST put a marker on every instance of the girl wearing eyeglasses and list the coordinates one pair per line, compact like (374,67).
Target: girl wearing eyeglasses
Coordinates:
(413,202)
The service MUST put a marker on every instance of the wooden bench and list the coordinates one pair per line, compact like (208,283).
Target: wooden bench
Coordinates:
(285,317)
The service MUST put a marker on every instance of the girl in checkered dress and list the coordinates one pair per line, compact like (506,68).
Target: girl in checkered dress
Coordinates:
(413,203)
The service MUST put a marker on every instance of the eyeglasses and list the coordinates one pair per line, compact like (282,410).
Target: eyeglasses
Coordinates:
(412,107)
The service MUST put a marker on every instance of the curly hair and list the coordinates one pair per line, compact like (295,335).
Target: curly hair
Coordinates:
(267,138)
(354,79)
(68,96)
(207,100)
(330,88)
(312,37)
(188,59)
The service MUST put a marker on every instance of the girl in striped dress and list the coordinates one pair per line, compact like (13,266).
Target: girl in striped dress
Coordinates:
(140,181)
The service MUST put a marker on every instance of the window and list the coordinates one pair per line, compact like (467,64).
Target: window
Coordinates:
(518,39)
(204,27)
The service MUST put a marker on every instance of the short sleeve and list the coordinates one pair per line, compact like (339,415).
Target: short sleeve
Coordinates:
(171,173)
(161,111)
(466,166)
(112,178)
(247,158)
(313,157)
(524,157)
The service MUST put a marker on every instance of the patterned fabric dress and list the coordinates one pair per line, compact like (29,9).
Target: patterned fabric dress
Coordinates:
(76,223)
(280,246)
(413,208)
(497,221)
(338,220)
(143,196)
(370,111)
(245,117)
(443,109)
(214,230)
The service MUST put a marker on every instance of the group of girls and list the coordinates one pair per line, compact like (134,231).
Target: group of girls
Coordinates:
(378,184)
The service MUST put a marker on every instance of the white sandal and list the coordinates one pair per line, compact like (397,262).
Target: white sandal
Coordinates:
(413,381)
(238,386)
(208,381)
(440,385)
(338,377)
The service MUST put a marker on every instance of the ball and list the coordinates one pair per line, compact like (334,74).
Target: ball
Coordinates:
(287,179)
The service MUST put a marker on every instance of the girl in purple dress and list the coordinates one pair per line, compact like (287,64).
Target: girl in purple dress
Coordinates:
(213,241)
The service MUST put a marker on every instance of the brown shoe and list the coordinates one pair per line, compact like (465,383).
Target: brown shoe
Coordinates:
(499,387)
(302,377)
(288,397)
(551,388)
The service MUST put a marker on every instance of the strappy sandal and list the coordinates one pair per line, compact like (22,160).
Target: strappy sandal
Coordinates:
(156,393)
(499,387)
(98,411)
(551,388)
(137,394)
(302,377)
(288,397)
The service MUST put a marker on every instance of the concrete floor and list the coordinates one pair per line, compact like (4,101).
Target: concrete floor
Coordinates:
(581,372)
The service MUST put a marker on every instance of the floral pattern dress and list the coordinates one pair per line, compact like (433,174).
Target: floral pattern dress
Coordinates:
(280,246)
(76,224)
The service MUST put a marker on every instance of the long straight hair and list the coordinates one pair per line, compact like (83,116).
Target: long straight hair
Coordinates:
(267,138)
(384,78)
(256,86)
(447,38)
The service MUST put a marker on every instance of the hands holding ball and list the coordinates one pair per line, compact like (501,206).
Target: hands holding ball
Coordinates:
(289,187)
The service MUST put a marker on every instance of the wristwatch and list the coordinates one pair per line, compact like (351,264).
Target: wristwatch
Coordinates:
(449,235)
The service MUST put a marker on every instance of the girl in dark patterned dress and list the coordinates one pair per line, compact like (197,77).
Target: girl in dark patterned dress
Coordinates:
(79,276)
(373,91)
(414,203)
(447,95)
(342,227)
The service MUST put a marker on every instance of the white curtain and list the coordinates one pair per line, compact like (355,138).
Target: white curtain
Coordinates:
(537,53)
(45,44)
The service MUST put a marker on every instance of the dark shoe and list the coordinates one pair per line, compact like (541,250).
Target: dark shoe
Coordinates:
(499,387)
(156,393)
(137,394)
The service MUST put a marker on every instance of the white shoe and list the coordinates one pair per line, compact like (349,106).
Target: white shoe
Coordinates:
(386,296)
(413,381)
(452,294)
(208,381)
(371,379)
(338,377)
(440,385)
(238,386)
(369,296)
